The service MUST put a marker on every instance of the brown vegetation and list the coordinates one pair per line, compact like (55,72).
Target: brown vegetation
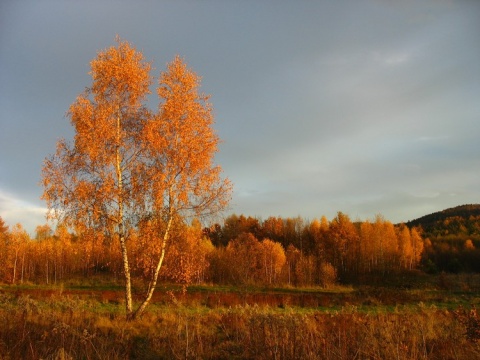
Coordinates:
(69,327)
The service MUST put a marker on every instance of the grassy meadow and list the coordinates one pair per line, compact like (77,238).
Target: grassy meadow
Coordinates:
(435,318)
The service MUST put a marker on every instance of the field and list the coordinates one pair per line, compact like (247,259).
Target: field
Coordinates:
(433,317)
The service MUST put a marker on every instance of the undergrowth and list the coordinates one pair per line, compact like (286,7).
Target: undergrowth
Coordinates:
(65,327)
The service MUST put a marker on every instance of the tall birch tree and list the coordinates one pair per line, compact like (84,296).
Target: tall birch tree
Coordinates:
(128,164)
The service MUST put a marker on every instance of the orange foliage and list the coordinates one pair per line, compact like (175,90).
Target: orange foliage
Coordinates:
(243,259)
(187,258)
(273,259)
(191,257)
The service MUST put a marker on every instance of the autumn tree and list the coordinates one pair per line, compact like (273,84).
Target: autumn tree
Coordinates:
(64,249)
(43,232)
(128,164)
(317,233)
(187,258)
(235,225)
(293,256)
(4,240)
(368,259)
(386,242)
(405,247)
(293,232)
(18,243)
(343,242)
(273,259)
(3,227)
(273,229)
(417,245)
(327,275)
(243,259)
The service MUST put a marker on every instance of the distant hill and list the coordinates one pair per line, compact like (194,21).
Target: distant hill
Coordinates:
(460,220)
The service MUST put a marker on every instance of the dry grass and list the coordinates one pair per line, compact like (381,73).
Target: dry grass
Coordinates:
(62,327)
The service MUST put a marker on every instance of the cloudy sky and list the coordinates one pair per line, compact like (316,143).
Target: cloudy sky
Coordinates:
(365,107)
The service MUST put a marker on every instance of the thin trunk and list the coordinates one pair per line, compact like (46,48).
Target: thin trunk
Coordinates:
(121,228)
(153,281)
(15,267)
(126,268)
(289,274)
(23,267)
(414,252)
(265,266)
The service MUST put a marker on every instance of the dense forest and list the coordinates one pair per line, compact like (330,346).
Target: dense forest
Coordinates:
(246,250)
(463,220)
(452,239)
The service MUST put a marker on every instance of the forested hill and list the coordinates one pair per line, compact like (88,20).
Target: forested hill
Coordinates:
(460,220)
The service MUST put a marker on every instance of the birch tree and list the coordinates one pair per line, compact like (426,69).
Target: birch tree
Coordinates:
(129,164)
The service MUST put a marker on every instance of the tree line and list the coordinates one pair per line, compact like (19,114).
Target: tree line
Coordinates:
(317,252)
(241,251)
